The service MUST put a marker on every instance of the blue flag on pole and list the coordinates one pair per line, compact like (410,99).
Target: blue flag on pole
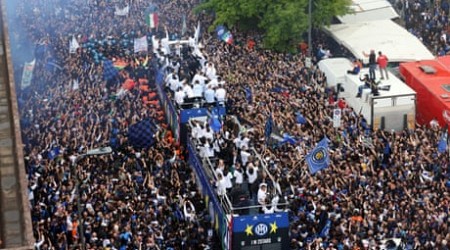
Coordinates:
(319,157)
(52,154)
(109,72)
(268,128)
(300,118)
(387,148)
(248,94)
(287,138)
(442,145)
(141,134)
(326,229)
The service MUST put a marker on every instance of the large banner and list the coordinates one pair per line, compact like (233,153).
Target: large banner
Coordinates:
(27,74)
(261,231)
(337,118)
(140,44)
(122,12)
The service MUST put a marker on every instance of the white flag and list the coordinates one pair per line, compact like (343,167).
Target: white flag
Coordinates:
(183,26)
(27,74)
(73,45)
(140,44)
(75,84)
(197,33)
(122,12)
(337,118)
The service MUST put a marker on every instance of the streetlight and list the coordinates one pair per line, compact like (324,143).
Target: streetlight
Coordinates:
(308,62)
(309,28)
(95,151)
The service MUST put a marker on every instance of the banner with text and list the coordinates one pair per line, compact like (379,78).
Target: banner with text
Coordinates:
(261,231)
(27,74)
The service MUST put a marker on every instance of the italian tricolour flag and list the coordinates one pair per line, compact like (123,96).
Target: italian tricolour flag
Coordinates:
(152,20)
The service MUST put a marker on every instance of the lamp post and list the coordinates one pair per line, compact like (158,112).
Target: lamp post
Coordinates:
(95,151)
(308,61)
(309,28)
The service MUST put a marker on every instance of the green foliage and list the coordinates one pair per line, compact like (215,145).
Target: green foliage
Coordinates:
(282,21)
(325,10)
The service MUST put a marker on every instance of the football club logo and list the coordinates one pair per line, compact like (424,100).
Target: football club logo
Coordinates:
(319,155)
(261,229)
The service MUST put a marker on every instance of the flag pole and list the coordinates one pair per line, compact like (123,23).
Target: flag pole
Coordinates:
(296,165)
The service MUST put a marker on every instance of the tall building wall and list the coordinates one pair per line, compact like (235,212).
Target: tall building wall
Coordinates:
(15,218)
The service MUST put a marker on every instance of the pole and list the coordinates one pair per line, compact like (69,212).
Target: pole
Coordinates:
(95,151)
(309,28)
(80,218)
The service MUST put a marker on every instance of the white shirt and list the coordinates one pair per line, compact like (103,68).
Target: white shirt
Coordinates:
(155,44)
(209,96)
(168,77)
(174,84)
(221,187)
(220,94)
(69,223)
(189,215)
(213,83)
(206,151)
(262,195)
(219,170)
(244,142)
(237,142)
(217,143)
(175,66)
(200,78)
(211,72)
(244,157)
(239,176)
(188,90)
(251,177)
(200,55)
(179,96)
(196,131)
(197,90)
(165,47)
(191,42)
(228,179)
(209,135)
(274,207)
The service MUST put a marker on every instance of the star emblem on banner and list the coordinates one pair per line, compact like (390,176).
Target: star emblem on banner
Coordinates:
(248,230)
(273,227)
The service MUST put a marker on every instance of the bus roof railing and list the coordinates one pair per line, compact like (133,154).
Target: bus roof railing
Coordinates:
(225,200)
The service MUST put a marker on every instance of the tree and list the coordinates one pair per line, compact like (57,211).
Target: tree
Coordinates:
(283,22)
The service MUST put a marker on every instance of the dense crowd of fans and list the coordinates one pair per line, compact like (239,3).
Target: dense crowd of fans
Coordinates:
(379,184)
(428,20)
(131,198)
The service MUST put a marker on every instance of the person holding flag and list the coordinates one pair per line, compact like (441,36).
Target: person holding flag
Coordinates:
(319,157)
(268,128)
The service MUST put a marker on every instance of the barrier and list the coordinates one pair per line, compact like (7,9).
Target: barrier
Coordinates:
(167,105)
(230,225)
(221,221)
(187,114)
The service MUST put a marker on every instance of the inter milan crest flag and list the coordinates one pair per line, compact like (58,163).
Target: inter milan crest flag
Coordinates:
(319,157)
